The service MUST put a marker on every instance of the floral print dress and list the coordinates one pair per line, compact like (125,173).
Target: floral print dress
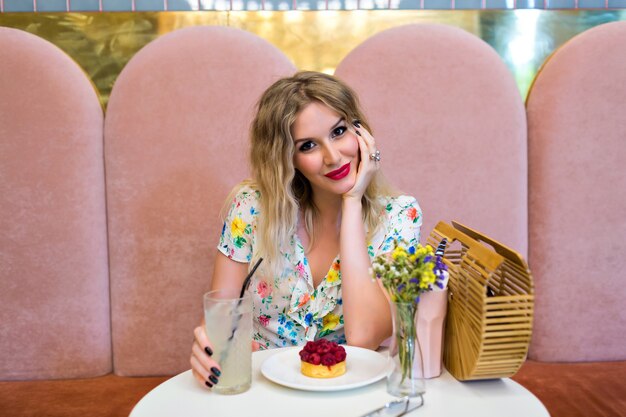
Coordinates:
(288,310)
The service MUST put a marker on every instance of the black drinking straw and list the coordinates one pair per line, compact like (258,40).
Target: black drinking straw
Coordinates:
(246,282)
(244,287)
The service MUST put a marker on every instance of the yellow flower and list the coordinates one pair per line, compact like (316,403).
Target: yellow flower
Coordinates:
(330,321)
(237,227)
(332,276)
(398,252)
(428,277)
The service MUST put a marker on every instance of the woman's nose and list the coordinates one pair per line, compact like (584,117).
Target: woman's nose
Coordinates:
(332,156)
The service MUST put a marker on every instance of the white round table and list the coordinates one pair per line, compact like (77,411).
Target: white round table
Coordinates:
(445,396)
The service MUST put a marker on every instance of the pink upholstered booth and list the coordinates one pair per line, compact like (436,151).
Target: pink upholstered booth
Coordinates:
(54,305)
(452,130)
(176,143)
(450,124)
(577,152)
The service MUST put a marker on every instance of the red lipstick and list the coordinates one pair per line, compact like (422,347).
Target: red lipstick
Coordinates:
(339,173)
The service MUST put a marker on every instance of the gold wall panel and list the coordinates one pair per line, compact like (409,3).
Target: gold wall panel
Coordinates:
(102,43)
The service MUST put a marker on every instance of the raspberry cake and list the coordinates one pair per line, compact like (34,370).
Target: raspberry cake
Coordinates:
(322,359)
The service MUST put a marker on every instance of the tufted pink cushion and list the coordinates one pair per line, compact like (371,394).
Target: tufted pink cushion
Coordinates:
(450,124)
(176,142)
(54,289)
(577,152)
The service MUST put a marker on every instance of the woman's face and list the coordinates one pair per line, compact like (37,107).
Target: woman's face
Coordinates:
(326,152)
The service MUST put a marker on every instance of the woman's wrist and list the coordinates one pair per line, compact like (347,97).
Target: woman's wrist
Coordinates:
(350,203)
(352,199)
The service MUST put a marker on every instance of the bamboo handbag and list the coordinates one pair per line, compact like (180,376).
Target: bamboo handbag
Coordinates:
(490,306)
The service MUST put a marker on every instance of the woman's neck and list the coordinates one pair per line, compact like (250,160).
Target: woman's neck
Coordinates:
(328,207)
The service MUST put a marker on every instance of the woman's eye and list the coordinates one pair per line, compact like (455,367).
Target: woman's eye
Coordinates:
(339,131)
(307,146)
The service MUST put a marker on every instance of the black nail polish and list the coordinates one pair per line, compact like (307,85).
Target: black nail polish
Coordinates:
(208,351)
(357,123)
(213,379)
(208,384)
(357,132)
(216,371)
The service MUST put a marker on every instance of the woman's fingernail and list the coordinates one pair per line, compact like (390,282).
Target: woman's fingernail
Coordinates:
(357,132)
(208,351)
(216,371)
(208,384)
(357,124)
(213,379)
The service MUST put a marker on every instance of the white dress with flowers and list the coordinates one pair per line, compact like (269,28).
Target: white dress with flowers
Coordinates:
(288,310)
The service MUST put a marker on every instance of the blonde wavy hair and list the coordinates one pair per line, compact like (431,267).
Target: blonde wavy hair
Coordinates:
(284,190)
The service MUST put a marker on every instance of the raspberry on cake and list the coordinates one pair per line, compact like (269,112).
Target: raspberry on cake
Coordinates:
(322,359)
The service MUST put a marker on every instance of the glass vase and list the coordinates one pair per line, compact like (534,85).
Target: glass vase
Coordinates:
(406,378)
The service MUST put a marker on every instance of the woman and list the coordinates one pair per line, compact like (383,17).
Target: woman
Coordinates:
(317,212)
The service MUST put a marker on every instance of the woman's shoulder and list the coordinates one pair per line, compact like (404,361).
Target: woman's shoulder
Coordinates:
(244,197)
(401,207)
(245,191)
(401,219)
(398,202)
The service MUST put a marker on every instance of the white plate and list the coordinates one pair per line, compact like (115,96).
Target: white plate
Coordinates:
(363,367)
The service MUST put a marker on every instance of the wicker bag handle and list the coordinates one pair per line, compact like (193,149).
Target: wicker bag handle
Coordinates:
(502,250)
(476,249)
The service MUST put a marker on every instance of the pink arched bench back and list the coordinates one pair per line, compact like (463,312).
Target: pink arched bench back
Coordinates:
(450,125)
(176,140)
(577,201)
(54,295)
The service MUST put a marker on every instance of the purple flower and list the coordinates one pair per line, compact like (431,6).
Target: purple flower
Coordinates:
(427,258)
(413,281)
(417,299)
(440,265)
(401,287)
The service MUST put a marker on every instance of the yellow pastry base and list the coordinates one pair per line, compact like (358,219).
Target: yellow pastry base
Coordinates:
(322,371)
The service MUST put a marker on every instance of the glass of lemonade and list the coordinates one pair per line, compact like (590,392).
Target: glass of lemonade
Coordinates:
(228,321)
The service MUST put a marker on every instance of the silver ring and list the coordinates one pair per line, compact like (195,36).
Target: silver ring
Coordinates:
(375,156)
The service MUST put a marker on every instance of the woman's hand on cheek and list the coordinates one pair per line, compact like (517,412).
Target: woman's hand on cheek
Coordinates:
(367,167)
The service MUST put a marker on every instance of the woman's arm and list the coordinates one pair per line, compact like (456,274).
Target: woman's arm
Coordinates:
(367,318)
(227,273)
